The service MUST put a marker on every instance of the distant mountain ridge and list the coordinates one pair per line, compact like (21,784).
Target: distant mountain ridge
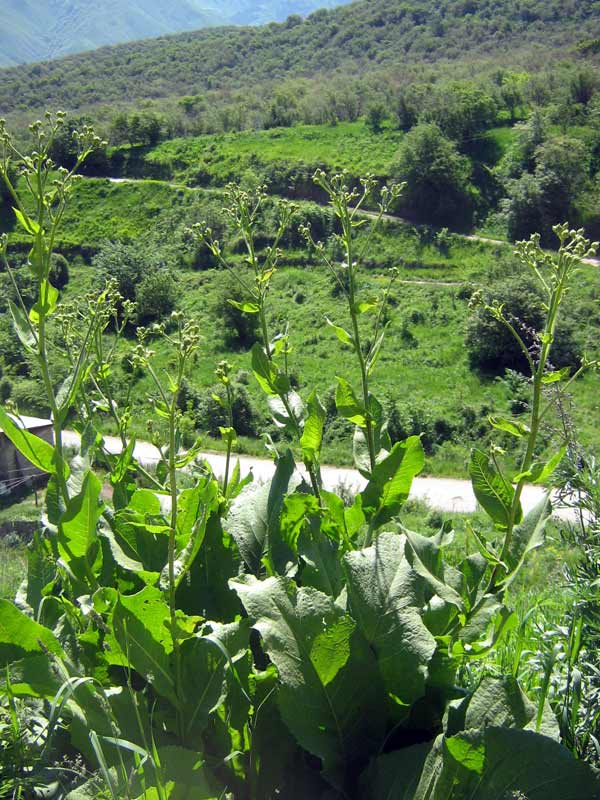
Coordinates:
(39,30)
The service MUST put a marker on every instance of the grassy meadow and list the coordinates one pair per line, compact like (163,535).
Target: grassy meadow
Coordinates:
(424,369)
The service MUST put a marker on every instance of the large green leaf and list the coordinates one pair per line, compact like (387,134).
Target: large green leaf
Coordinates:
(20,636)
(202,686)
(281,766)
(184,776)
(39,452)
(502,703)
(205,590)
(493,763)
(46,304)
(348,405)
(493,492)
(22,327)
(270,379)
(425,555)
(253,518)
(322,567)
(77,530)
(312,436)
(392,479)
(484,628)
(330,696)
(386,599)
(142,639)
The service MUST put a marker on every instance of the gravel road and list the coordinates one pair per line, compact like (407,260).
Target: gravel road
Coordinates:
(444,494)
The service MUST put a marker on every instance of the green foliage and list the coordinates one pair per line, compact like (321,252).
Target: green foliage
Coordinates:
(181,628)
(155,295)
(437,177)
(382,33)
(461,110)
(59,271)
(141,276)
(239,329)
(491,346)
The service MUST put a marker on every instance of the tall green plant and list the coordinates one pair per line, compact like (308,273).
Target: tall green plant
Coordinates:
(270,357)
(204,640)
(39,213)
(499,494)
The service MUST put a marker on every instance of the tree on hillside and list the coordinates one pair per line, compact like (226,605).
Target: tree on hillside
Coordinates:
(523,207)
(375,117)
(551,192)
(511,91)
(119,130)
(461,109)
(438,178)
(492,348)
(563,171)
(142,275)
(283,109)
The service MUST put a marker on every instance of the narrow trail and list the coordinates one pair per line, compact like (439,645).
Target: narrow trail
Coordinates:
(451,495)
(469,237)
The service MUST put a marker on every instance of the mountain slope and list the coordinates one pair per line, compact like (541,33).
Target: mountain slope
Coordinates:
(35,31)
(363,36)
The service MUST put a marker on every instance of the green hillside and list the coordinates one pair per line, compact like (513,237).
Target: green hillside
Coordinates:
(364,36)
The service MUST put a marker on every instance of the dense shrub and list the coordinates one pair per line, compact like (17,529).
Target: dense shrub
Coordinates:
(438,178)
(155,295)
(59,271)
(491,347)
(209,415)
(239,329)
(142,275)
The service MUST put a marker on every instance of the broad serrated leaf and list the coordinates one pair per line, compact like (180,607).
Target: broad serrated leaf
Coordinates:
(375,350)
(264,370)
(502,703)
(77,530)
(556,377)
(253,519)
(325,668)
(141,629)
(46,304)
(21,637)
(517,429)
(492,763)
(527,536)
(493,492)
(363,306)
(22,327)
(387,599)
(484,628)
(247,308)
(29,225)
(541,471)
(202,679)
(279,412)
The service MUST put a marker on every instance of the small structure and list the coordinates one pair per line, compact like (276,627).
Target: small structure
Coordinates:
(16,472)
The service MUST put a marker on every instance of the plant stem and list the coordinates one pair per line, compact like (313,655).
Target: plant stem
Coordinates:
(364,378)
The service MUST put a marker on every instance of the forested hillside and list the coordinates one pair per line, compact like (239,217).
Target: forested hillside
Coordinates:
(364,36)
(35,31)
